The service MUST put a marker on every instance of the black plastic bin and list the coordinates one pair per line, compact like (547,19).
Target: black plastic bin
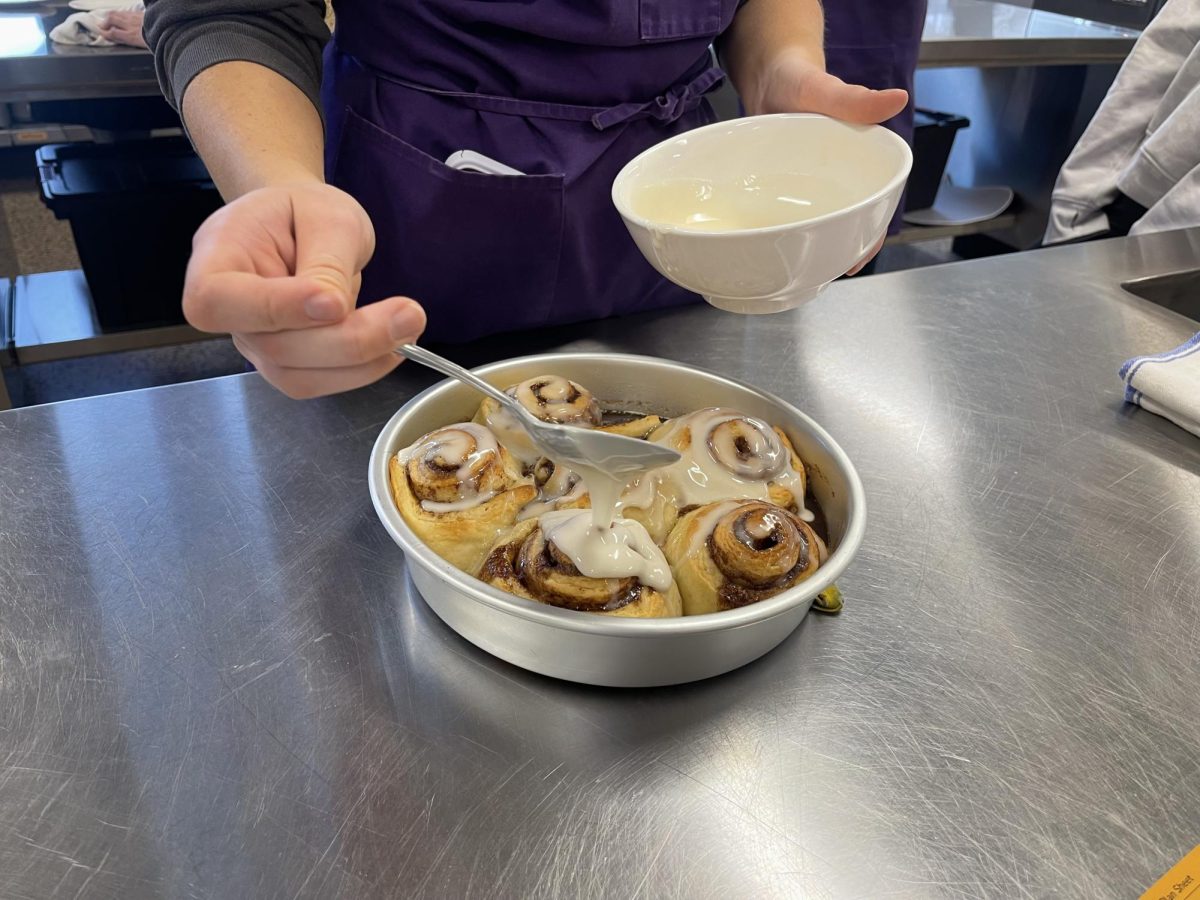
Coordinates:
(133,208)
(933,138)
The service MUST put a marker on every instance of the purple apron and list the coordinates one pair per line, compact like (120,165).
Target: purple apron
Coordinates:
(564,91)
(876,43)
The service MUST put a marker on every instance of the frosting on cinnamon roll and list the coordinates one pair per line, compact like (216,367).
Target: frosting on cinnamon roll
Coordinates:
(733,553)
(455,468)
(457,488)
(561,489)
(561,560)
(727,454)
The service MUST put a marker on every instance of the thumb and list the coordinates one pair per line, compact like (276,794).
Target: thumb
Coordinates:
(334,240)
(829,95)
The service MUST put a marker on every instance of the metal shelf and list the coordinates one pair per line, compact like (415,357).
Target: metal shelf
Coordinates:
(915,234)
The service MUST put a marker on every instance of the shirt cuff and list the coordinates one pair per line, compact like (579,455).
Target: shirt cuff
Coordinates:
(191,54)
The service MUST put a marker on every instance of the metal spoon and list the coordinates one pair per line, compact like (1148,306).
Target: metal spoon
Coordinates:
(616,454)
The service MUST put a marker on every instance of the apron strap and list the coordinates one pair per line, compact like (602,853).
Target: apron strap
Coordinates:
(680,99)
(667,107)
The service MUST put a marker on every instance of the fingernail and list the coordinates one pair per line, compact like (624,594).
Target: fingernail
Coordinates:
(323,307)
(406,325)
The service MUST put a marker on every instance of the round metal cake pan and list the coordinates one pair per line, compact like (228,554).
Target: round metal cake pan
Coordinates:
(605,650)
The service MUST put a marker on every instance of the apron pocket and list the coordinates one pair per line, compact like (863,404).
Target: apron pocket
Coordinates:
(668,20)
(479,252)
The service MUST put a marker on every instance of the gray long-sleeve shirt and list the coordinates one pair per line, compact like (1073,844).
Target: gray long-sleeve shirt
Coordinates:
(188,36)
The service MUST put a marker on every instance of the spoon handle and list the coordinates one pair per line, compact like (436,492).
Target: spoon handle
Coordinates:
(443,365)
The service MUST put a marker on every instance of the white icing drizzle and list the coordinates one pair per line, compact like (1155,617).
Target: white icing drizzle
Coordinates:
(641,492)
(512,435)
(550,403)
(563,486)
(712,469)
(468,441)
(567,486)
(622,550)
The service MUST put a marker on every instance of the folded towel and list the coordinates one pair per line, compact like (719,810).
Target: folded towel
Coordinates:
(1168,384)
(83,28)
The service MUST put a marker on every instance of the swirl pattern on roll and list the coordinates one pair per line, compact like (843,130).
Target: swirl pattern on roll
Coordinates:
(728,454)
(553,398)
(457,466)
(734,553)
(457,488)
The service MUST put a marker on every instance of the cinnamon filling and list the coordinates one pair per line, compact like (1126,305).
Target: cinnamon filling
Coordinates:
(760,551)
(551,577)
(453,465)
(747,447)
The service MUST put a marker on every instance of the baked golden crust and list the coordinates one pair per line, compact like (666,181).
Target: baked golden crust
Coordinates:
(461,537)
(780,495)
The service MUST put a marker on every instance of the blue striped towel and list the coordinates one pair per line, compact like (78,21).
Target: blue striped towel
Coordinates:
(1167,384)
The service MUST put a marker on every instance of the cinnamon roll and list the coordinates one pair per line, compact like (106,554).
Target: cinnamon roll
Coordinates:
(458,488)
(560,560)
(551,398)
(644,501)
(733,553)
(727,454)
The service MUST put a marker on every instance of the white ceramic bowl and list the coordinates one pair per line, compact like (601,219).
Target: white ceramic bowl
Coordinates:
(778,267)
(606,650)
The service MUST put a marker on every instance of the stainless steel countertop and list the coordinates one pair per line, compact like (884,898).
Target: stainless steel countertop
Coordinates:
(957,33)
(984,34)
(215,680)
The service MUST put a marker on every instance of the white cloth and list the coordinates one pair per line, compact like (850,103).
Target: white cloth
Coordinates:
(1168,384)
(1144,139)
(83,28)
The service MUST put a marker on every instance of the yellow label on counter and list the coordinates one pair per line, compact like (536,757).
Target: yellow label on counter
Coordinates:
(1181,883)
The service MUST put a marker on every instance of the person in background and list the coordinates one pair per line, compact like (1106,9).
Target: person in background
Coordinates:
(124,26)
(876,43)
(1136,169)
(564,92)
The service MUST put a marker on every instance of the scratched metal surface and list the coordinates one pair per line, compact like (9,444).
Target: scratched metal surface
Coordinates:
(215,680)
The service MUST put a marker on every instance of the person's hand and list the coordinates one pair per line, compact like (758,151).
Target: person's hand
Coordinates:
(794,82)
(123,26)
(279,269)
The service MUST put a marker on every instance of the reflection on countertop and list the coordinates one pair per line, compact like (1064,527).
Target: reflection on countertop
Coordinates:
(949,20)
(985,34)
